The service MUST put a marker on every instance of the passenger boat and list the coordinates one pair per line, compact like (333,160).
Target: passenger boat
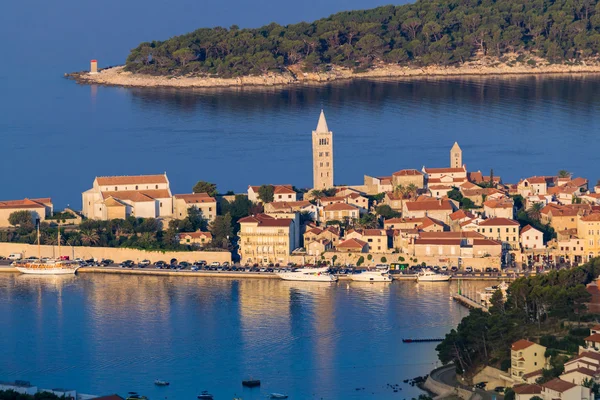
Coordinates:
(251,383)
(205,396)
(309,274)
(370,275)
(279,396)
(160,382)
(47,267)
(430,276)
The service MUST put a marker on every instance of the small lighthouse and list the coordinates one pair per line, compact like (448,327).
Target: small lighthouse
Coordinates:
(93,67)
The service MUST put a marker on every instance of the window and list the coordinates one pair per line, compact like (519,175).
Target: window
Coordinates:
(136,187)
(209,208)
(326,154)
(157,186)
(116,188)
(161,204)
(321,154)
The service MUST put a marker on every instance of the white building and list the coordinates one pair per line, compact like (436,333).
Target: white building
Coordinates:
(532,238)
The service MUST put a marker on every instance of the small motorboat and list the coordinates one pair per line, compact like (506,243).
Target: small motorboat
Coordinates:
(279,396)
(160,382)
(136,396)
(205,396)
(251,383)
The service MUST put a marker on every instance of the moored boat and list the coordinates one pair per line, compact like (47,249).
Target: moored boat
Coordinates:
(251,383)
(430,276)
(160,382)
(39,266)
(205,396)
(309,274)
(279,396)
(370,275)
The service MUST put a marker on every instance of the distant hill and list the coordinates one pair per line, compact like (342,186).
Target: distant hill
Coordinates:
(428,32)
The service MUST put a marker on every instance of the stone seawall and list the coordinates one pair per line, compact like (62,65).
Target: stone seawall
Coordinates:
(115,254)
(441,389)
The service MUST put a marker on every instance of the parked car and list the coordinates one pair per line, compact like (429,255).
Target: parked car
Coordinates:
(454,269)
(215,264)
(226,264)
(469,269)
(144,263)
(106,262)
(15,256)
(160,264)
(127,264)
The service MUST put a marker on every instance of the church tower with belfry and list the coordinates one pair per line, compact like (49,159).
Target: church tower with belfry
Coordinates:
(322,146)
(456,156)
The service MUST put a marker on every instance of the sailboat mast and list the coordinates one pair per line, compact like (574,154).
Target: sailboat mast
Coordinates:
(38,240)
(58,242)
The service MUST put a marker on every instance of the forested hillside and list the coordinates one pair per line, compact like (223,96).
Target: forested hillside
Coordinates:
(428,32)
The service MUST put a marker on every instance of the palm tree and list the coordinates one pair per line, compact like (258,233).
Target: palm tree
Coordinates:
(535,211)
(89,237)
(563,173)
(412,190)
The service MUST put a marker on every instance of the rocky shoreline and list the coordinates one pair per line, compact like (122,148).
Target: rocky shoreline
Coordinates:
(117,76)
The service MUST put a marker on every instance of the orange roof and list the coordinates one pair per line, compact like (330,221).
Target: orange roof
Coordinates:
(283,190)
(584,371)
(591,217)
(275,188)
(131,180)
(460,214)
(558,385)
(443,170)
(138,195)
(265,220)
(415,220)
(339,199)
(429,205)
(521,344)
(593,338)
(195,198)
(486,242)
(407,172)
(501,203)
(352,243)
(451,235)
(450,242)
(373,232)
(25,203)
(527,389)
(196,235)
(537,372)
(498,222)
(339,207)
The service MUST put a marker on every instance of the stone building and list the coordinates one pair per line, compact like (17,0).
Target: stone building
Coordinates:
(202,201)
(144,196)
(39,208)
(322,145)
(264,239)
(456,156)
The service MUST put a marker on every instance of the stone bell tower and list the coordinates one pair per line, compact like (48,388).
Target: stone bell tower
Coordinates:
(456,156)
(322,145)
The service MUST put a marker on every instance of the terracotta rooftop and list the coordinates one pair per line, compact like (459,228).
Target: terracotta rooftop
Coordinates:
(528,228)
(558,385)
(352,243)
(486,242)
(521,344)
(25,203)
(264,220)
(339,207)
(429,205)
(443,170)
(460,214)
(593,338)
(196,235)
(451,235)
(591,217)
(138,195)
(131,180)
(533,373)
(527,389)
(449,242)
(407,172)
(194,198)
(498,222)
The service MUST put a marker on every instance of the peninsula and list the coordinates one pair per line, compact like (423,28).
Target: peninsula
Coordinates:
(421,39)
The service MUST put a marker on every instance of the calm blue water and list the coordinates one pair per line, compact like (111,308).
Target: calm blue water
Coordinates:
(109,333)
(56,136)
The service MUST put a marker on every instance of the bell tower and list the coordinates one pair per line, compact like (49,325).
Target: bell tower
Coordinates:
(322,146)
(456,156)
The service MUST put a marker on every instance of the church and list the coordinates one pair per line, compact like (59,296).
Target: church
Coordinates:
(322,146)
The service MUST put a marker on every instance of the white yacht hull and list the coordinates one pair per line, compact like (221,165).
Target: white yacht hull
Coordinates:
(48,271)
(367,277)
(293,276)
(433,278)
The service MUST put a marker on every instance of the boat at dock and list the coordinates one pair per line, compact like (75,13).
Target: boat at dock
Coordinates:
(309,274)
(205,396)
(39,266)
(430,276)
(373,275)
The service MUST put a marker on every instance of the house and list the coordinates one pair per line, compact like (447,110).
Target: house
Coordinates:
(266,239)
(394,200)
(526,357)
(588,230)
(579,376)
(531,238)
(407,177)
(280,193)
(291,207)
(591,198)
(592,342)
(561,217)
(502,208)
(375,185)
(39,208)
(198,239)
(527,391)
(437,173)
(355,199)
(563,390)
(565,194)
(353,246)
(340,211)
(438,209)
(201,201)
(585,359)
(118,197)
(376,239)
(318,247)
(329,233)
(501,229)
(479,195)
(535,185)
(402,223)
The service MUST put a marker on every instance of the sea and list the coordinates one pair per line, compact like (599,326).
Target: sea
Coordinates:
(56,136)
(102,334)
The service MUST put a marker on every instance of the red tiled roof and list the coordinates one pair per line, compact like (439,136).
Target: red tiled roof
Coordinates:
(498,222)
(283,190)
(528,228)
(196,235)
(521,344)
(558,385)
(593,338)
(502,203)
(450,242)
(533,373)
(339,207)
(131,180)
(264,220)
(25,203)
(195,198)
(443,170)
(527,389)
(592,217)
(450,235)
(138,195)
(444,205)
(407,172)
(486,242)
(584,371)
(352,243)
(460,214)
(374,232)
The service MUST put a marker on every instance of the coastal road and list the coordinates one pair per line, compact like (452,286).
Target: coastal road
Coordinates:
(447,376)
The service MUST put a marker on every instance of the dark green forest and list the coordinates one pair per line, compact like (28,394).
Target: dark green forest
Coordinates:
(427,32)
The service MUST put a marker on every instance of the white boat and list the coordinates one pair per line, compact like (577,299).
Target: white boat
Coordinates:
(370,275)
(50,267)
(45,266)
(279,396)
(309,274)
(502,286)
(430,276)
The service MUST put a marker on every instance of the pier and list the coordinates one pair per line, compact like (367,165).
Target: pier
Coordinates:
(468,302)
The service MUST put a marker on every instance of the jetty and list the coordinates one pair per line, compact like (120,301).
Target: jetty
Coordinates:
(422,340)
(468,302)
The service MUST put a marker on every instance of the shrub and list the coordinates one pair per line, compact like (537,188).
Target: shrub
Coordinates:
(360,261)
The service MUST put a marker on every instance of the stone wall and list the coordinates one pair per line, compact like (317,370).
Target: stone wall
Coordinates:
(116,254)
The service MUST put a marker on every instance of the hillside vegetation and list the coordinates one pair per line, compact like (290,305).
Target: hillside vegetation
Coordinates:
(428,32)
